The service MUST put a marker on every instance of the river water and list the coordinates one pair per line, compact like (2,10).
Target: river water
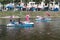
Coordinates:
(40,31)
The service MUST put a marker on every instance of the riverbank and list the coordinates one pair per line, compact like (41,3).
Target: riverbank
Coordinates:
(22,14)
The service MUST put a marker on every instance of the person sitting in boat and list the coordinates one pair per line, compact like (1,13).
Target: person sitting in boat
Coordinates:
(12,21)
(19,22)
(39,17)
(47,17)
(27,18)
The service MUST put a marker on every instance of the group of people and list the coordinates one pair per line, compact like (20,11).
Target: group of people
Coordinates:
(19,21)
(31,6)
(27,18)
(34,7)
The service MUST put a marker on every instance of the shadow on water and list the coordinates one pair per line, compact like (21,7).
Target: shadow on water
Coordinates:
(40,31)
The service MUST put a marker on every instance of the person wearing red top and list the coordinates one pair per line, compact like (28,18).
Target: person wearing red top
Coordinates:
(27,18)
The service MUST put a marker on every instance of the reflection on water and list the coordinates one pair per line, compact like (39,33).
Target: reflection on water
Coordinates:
(40,31)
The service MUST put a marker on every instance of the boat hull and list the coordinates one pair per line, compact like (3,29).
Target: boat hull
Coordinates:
(25,25)
(45,20)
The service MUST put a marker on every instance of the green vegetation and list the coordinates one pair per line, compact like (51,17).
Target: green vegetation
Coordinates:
(7,1)
(32,14)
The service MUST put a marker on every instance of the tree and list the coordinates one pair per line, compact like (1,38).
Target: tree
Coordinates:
(37,0)
(6,1)
(1,0)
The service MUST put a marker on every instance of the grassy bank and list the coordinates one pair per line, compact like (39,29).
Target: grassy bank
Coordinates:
(32,14)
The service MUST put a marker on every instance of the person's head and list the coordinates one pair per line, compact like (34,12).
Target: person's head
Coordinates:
(27,15)
(10,20)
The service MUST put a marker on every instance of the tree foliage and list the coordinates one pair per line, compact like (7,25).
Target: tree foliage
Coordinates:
(6,1)
(1,0)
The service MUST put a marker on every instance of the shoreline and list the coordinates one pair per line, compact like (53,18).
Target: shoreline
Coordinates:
(32,17)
